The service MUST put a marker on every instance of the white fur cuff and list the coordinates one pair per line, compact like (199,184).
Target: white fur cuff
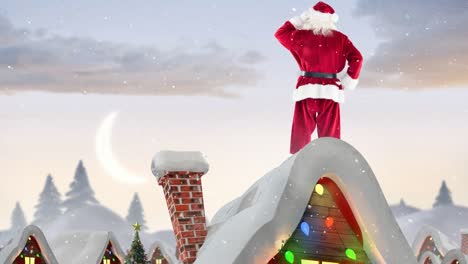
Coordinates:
(349,83)
(297,22)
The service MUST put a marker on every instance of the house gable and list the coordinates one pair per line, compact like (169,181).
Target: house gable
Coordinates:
(109,256)
(31,253)
(327,232)
(157,257)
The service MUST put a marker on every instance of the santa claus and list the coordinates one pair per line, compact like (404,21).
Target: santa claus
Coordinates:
(321,52)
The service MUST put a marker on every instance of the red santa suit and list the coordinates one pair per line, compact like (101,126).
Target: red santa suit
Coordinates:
(319,48)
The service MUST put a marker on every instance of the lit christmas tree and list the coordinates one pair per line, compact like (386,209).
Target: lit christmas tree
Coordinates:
(136,254)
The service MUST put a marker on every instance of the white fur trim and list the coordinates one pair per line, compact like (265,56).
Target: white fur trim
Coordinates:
(297,22)
(349,83)
(320,23)
(319,91)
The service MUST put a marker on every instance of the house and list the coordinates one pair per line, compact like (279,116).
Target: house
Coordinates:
(322,205)
(161,253)
(30,247)
(97,247)
(433,247)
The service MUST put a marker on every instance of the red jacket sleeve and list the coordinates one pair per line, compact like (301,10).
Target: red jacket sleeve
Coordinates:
(287,35)
(354,58)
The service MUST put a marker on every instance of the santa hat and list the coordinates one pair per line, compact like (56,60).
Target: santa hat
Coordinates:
(325,10)
(321,18)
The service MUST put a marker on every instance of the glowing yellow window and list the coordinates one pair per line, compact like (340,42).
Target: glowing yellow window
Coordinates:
(159,261)
(305,261)
(107,261)
(28,260)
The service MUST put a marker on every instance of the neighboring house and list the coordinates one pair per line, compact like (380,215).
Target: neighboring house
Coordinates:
(88,248)
(30,247)
(432,247)
(323,205)
(161,253)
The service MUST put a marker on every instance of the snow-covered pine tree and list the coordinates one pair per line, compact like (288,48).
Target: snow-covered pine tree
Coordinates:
(49,205)
(136,254)
(80,193)
(18,220)
(444,197)
(136,213)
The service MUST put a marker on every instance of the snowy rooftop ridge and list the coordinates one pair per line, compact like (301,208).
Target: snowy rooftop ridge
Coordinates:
(252,227)
(168,160)
(85,247)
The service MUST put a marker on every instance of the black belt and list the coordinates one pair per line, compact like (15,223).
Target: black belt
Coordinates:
(318,75)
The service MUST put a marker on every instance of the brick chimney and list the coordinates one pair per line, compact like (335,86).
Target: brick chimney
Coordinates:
(464,241)
(179,173)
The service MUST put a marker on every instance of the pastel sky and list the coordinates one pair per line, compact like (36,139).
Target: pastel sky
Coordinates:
(209,75)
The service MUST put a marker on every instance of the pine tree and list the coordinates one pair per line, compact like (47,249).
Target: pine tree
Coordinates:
(80,193)
(136,254)
(136,213)
(444,197)
(49,205)
(18,220)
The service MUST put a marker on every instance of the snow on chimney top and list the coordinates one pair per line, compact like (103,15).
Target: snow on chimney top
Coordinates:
(464,241)
(179,173)
(168,160)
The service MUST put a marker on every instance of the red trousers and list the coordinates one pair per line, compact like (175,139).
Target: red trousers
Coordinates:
(308,113)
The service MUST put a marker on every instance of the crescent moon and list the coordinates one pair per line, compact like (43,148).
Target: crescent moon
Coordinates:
(106,157)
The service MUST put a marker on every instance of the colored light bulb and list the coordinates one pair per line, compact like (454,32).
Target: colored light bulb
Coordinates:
(305,228)
(319,189)
(350,254)
(329,221)
(289,256)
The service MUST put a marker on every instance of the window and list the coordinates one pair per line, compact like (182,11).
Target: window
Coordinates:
(28,260)
(159,261)
(107,261)
(305,261)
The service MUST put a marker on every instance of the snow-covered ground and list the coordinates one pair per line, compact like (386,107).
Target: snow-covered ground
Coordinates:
(403,209)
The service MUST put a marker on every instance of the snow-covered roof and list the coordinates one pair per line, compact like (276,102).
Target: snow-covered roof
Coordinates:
(449,250)
(448,219)
(85,247)
(429,255)
(455,254)
(167,249)
(5,238)
(167,160)
(13,249)
(451,257)
(251,228)
(440,240)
